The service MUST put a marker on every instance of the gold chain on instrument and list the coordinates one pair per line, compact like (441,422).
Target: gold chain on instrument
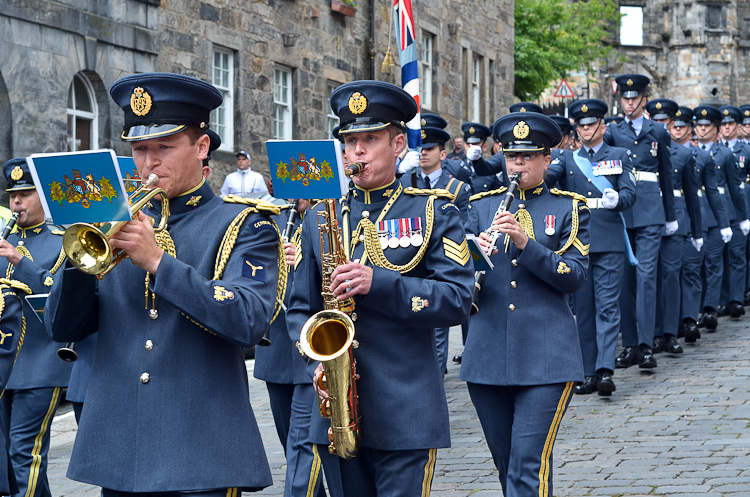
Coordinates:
(373,248)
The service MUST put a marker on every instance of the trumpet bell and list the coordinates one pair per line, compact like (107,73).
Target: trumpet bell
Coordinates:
(87,248)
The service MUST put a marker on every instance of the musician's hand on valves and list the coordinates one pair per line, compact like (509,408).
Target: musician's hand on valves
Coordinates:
(291,253)
(505,223)
(138,241)
(351,279)
(322,393)
(10,252)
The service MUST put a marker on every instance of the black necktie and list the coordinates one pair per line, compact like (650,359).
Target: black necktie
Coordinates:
(704,146)
(427,182)
(591,153)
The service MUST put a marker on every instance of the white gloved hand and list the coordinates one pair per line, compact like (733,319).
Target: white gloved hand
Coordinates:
(745,226)
(474,152)
(610,198)
(697,243)
(726,234)
(409,162)
(672,227)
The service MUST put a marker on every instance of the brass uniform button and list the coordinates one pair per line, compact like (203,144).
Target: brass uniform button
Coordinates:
(521,206)
(145,378)
(513,284)
(635,156)
(365,214)
(512,307)
(635,142)
(149,345)
(514,262)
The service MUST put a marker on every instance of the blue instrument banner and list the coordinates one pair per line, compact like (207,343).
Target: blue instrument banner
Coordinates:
(306,169)
(80,186)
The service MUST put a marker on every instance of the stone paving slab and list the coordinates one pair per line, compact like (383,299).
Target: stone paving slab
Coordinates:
(681,430)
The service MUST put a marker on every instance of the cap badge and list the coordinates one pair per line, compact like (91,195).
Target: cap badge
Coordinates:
(747,113)
(630,82)
(424,135)
(704,113)
(423,122)
(658,105)
(471,130)
(584,108)
(16,173)
(522,109)
(140,102)
(357,103)
(521,130)
(726,112)
(679,113)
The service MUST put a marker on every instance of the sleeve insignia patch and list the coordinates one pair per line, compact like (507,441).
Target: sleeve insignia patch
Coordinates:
(583,249)
(194,200)
(262,225)
(418,303)
(6,345)
(458,252)
(563,268)
(221,294)
(48,281)
(254,270)
(448,206)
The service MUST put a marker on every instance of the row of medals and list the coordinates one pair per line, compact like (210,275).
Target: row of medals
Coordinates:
(403,232)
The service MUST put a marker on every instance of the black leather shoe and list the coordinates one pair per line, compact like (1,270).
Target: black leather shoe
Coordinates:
(736,310)
(747,298)
(722,311)
(692,333)
(681,330)
(646,359)
(627,358)
(457,358)
(671,346)
(606,385)
(588,386)
(658,347)
(709,320)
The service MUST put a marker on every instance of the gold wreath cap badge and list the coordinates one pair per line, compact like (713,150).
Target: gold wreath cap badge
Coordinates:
(726,112)
(630,82)
(357,103)
(423,122)
(584,108)
(521,130)
(16,173)
(472,130)
(658,105)
(424,135)
(679,113)
(522,109)
(140,102)
(704,112)
(747,113)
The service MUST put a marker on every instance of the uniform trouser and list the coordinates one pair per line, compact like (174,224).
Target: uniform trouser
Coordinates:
(735,266)
(668,285)
(77,409)
(638,297)
(598,312)
(331,469)
(27,416)
(713,269)
(219,492)
(520,424)
(692,284)
(291,406)
(392,473)
(441,341)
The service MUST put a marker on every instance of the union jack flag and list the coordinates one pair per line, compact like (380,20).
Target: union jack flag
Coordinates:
(407,51)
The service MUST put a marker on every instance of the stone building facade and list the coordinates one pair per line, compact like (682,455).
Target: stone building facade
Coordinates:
(276,61)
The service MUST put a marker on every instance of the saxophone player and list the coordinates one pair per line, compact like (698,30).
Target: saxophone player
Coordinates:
(409,272)
(522,354)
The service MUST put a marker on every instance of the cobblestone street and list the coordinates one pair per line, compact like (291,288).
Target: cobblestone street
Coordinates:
(681,430)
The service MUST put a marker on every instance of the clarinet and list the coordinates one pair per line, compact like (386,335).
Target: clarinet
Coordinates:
(265,341)
(9,227)
(504,206)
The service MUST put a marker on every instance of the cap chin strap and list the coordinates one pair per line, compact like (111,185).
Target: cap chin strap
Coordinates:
(630,114)
(598,126)
(700,137)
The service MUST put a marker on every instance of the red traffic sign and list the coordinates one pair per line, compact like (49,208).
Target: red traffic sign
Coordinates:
(564,90)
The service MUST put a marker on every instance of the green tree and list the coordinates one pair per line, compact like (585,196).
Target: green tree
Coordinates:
(556,37)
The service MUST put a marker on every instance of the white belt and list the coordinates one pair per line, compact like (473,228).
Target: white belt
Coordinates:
(646,176)
(742,186)
(594,203)
(721,189)
(677,193)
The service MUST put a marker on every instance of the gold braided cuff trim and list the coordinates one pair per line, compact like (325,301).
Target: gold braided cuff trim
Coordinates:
(260,205)
(297,241)
(16,285)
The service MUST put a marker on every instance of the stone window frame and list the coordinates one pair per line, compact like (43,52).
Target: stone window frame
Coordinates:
(643,21)
(282,103)
(226,86)
(74,114)
(332,120)
(426,64)
(475,87)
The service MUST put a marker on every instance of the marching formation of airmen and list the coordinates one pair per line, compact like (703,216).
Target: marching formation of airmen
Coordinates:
(636,227)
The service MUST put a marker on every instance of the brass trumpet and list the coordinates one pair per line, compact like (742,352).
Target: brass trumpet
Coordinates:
(87,245)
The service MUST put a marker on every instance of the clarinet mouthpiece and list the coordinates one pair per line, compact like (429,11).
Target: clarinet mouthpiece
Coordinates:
(354,169)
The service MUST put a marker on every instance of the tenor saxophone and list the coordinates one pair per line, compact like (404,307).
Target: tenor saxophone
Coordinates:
(328,337)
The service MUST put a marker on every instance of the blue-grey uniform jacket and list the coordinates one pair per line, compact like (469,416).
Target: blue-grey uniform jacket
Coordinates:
(10,343)
(401,392)
(606,224)
(167,407)
(458,189)
(457,168)
(37,365)
(686,201)
(713,208)
(654,203)
(281,362)
(524,332)
(730,180)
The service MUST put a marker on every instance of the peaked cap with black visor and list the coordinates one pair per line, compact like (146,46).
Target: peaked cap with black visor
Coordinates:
(662,108)
(683,116)
(745,109)
(730,114)
(527,132)
(632,85)
(525,107)
(587,111)
(18,175)
(371,106)
(162,104)
(707,114)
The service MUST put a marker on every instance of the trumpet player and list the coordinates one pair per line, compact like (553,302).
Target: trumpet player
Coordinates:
(408,271)
(522,356)
(167,408)
(33,255)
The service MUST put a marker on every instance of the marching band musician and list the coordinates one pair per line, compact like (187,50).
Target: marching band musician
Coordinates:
(522,356)
(34,255)
(419,279)
(167,407)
